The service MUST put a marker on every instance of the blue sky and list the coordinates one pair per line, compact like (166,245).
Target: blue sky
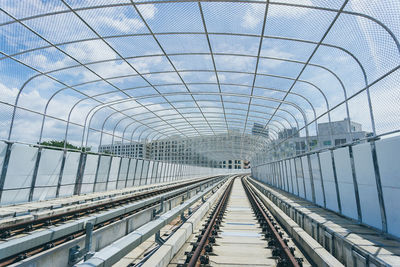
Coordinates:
(234,34)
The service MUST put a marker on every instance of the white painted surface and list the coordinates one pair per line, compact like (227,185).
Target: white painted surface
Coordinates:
(284,176)
(163,171)
(150,172)
(145,170)
(69,174)
(123,173)
(66,190)
(289,176)
(307,178)
(388,151)
(138,171)
(19,173)
(319,195)
(367,185)
(131,173)
(89,173)
(345,182)
(102,173)
(329,181)
(3,149)
(154,174)
(300,179)
(113,176)
(294,177)
(159,171)
(70,168)
(48,174)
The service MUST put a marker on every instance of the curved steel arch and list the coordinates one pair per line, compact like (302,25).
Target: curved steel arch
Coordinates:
(283,110)
(178,101)
(209,93)
(260,74)
(160,133)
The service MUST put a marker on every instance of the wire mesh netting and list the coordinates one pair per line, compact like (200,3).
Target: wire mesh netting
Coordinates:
(276,78)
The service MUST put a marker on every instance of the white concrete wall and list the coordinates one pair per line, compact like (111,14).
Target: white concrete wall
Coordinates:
(388,153)
(365,172)
(69,174)
(48,174)
(100,173)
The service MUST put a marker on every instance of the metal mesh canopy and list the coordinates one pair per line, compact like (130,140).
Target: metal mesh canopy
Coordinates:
(99,72)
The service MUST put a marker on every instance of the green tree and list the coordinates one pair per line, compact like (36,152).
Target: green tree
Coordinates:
(55,143)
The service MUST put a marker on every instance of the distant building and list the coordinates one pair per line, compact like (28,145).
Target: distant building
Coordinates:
(343,132)
(288,133)
(329,134)
(258,129)
(208,151)
(132,149)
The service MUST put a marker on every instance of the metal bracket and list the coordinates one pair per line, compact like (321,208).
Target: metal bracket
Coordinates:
(156,212)
(75,254)
(159,239)
(183,218)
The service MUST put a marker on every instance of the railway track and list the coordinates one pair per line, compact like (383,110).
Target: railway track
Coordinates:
(241,231)
(12,232)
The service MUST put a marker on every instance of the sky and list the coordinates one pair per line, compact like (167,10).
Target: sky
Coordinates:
(135,71)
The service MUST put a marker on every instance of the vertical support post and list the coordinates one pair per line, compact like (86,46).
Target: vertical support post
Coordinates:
(5,168)
(166,172)
(295,173)
(278,175)
(336,182)
(141,173)
(108,171)
(156,174)
(149,171)
(159,171)
(97,173)
(311,178)
(134,174)
(379,187)
(291,176)
(119,172)
(127,172)
(34,175)
(273,174)
(60,175)
(88,240)
(79,174)
(284,170)
(304,180)
(356,193)
(322,179)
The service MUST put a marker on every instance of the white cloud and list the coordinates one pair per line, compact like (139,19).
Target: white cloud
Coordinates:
(274,52)
(250,19)
(147,11)
(90,51)
(254,14)
(120,23)
(8,95)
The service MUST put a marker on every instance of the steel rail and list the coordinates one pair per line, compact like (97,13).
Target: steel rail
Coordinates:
(205,238)
(42,247)
(28,226)
(258,209)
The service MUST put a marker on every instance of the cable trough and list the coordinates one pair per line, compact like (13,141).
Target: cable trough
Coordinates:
(36,226)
